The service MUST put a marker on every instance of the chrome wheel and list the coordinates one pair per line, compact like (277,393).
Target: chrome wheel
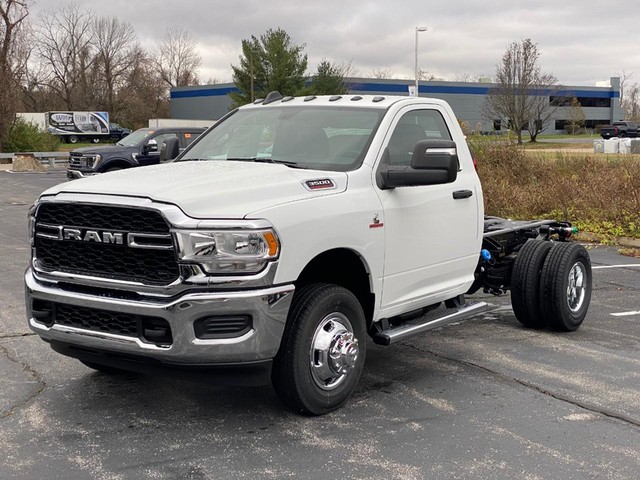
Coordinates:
(576,287)
(334,351)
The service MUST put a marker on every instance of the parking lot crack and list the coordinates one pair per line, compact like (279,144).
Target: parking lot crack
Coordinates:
(557,396)
(16,335)
(29,371)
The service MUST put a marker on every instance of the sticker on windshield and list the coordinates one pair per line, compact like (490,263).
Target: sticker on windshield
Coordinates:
(320,184)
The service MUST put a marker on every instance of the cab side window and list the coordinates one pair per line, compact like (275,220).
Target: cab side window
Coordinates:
(189,137)
(415,126)
(162,137)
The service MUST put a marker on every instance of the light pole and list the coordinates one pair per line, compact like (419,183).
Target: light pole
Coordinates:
(418,29)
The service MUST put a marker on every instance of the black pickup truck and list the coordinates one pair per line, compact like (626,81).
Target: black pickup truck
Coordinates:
(620,129)
(140,148)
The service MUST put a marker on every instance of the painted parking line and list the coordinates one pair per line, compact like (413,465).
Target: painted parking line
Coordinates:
(616,266)
(625,314)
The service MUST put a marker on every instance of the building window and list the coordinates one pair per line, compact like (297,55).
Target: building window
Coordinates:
(560,124)
(595,123)
(497,124)
(566,101)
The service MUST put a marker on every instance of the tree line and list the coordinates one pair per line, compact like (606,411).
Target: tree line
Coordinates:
(72,59)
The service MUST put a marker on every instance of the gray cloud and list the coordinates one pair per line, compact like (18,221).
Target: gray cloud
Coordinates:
(580,42)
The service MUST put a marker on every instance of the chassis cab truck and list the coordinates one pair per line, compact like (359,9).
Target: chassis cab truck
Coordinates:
(283,237)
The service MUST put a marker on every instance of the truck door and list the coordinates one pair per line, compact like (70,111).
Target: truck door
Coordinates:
(432,240)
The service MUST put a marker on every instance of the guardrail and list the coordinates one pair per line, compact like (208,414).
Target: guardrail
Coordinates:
(50,159)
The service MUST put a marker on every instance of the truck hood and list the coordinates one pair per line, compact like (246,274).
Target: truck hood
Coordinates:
(105,149)
(212,189)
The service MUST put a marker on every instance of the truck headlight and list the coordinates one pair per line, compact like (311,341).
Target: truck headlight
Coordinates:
(93,160)
(228,251)
(31,215)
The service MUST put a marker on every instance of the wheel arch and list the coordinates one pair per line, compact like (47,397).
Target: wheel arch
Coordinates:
(344,267)
(115,163)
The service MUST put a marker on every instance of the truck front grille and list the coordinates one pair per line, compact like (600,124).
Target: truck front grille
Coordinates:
(76,160)
(154,265)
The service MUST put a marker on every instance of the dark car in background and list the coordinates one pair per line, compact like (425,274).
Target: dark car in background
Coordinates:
(116,132)
(140,148)
(620,129)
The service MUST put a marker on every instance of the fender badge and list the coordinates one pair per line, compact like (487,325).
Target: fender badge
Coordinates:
(320,184)
(376,222)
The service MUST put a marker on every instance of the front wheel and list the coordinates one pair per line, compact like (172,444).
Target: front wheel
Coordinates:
(323,350)
(72,139)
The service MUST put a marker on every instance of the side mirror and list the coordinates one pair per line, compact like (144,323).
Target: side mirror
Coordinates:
(150,146)
(170,149)
(433,162)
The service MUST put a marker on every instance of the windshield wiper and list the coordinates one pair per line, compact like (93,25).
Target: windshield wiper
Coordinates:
(267,160)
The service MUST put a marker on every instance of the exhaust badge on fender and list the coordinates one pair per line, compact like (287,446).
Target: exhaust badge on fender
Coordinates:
(319,184)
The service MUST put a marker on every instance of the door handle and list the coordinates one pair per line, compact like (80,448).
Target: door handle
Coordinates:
(457,195)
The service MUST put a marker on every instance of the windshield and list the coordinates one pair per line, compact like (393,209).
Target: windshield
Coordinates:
(322,138)
(136,137)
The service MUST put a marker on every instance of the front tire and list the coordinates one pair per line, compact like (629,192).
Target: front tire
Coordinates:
(323,350)
(565,286)
(72,139)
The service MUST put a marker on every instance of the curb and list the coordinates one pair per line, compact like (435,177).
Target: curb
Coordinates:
(615,241)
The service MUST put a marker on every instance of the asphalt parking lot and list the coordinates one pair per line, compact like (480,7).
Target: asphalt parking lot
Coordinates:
(482,399)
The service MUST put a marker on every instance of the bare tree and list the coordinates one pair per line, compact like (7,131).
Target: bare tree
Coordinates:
(575,117)
(521,94)
(465,77)
(64,43)
(178,59)
(12,15)
(144,94)
(631,102)
(426,76)
(382,73)
(472,77)
(543,108)
(114,42)
(625,78)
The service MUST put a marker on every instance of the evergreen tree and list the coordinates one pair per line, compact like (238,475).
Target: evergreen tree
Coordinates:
(270,63)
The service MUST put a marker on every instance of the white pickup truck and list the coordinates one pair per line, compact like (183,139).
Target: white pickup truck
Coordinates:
(280,239)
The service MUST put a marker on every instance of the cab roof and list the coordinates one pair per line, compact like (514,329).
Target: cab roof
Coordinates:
(351,100)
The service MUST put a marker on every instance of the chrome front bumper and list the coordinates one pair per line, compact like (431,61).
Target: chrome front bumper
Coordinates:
(267,306)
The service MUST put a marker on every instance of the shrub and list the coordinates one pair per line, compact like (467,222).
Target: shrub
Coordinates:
(597,193)
(24,136)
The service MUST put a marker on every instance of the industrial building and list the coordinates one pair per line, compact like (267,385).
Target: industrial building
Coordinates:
(601,105)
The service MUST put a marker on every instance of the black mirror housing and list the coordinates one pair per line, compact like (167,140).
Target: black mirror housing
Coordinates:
(150,146)
(434,162)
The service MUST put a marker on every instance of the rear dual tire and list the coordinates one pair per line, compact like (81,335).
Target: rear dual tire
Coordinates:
(551,285)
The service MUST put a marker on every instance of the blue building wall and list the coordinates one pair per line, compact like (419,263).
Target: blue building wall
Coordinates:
(210,102)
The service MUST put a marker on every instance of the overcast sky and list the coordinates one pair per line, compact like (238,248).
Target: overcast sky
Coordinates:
(581,42)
